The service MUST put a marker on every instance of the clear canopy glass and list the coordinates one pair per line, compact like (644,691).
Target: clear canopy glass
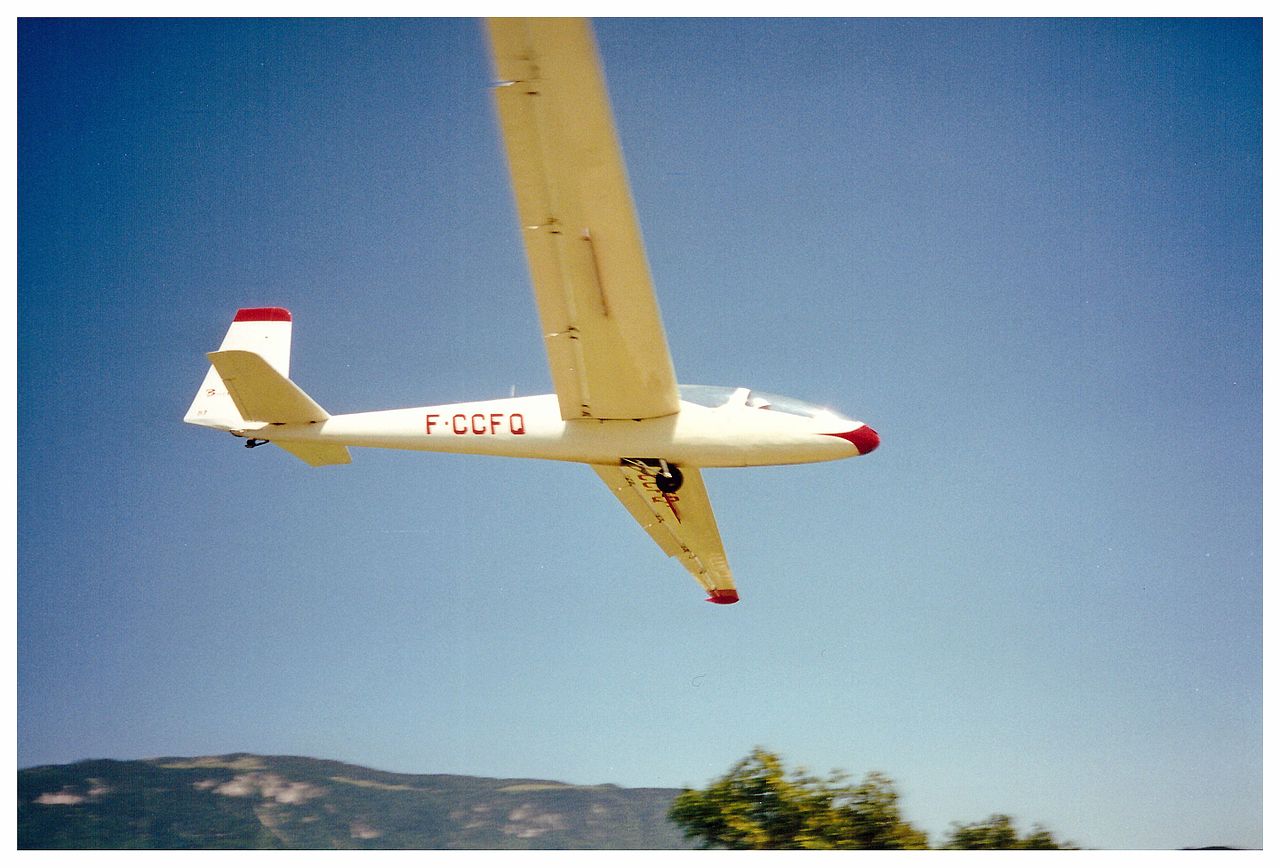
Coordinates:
(719,396)
(707,396)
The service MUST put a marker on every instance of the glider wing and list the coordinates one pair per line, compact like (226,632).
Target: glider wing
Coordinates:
(682,524)
(600,319)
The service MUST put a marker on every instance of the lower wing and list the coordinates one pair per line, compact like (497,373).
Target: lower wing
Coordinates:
(681,523)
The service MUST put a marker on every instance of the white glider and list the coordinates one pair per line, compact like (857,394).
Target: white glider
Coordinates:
(617,406)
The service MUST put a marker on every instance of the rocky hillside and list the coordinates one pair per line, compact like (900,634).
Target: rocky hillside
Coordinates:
(247,801)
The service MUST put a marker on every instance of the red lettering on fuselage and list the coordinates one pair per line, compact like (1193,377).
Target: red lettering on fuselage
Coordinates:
(478,423)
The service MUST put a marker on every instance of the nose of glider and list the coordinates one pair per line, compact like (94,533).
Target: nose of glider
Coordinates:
(864,438)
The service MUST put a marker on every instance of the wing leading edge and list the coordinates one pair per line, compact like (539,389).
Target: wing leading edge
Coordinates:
(682,524)
(600,320)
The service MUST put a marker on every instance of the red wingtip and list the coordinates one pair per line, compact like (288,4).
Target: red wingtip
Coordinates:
(263,314)
(723,596)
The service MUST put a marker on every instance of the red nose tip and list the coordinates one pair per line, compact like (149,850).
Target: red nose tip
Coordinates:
(864,438)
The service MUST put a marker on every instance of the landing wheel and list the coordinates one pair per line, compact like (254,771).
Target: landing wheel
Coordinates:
(669,482)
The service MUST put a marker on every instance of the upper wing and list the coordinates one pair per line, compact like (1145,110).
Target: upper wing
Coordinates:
(600,320)
(682,524)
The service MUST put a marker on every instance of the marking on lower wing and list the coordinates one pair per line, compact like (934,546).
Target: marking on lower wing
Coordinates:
(672,500)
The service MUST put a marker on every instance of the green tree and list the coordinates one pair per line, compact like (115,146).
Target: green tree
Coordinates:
(997,832)
(758,805)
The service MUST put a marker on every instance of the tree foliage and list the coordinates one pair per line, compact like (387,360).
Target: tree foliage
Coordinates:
(760,806)
(997,832)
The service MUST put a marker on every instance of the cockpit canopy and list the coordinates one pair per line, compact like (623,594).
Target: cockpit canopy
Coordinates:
(721,396)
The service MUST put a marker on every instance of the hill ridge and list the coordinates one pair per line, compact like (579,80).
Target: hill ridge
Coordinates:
(258,801)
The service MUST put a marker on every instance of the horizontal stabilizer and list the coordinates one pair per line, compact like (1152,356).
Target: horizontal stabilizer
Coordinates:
(316,454)
(263,394)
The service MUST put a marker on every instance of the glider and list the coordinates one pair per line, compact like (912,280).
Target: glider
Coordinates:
(617,406)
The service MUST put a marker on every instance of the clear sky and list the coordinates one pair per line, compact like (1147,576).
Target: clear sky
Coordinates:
(1028,253)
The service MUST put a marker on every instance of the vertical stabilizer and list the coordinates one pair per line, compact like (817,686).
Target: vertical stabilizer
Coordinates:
(266,331)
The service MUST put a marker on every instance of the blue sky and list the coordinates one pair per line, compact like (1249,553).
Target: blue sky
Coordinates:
(1027,252)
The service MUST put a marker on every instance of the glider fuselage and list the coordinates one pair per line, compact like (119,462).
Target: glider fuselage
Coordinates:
(734,434)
